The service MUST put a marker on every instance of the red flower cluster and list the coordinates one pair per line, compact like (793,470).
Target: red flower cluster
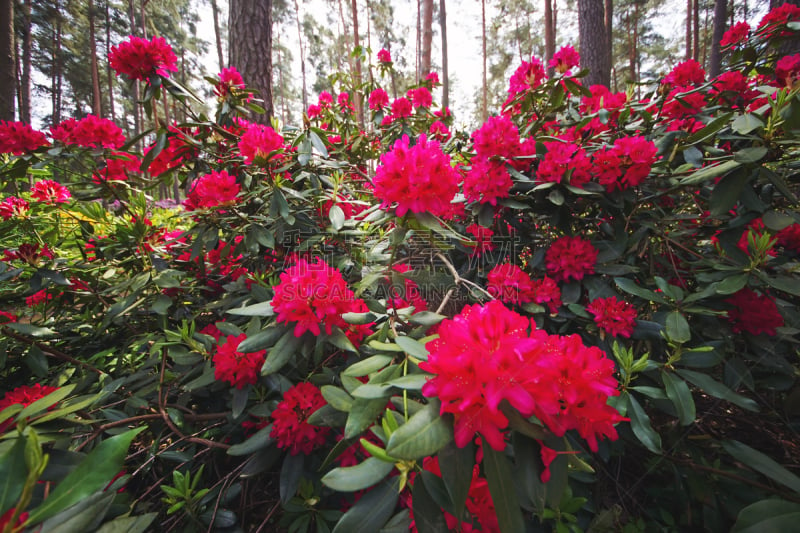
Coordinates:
(18,138)
(570,257)
(38,298)
(483,239)
(229,78)
(401,108)
(418,178)
(313,295)
(5,519)
(788,237)
(119,166)
(511,284)
(384,56)
(290,427)
(497,139)
(626,164)
(615,317)
(439,131)
(753,313)
(237,368)
(140,59)
(690,72)
(28,253)
(420,97)
(89,132)
(780,16)
(735,34)
(378,99)
(486,355)
(565,59)
(6,317)
(787,70)
(24,396)
(259,141)
(562,159)
(13,207)
(754,230)
(527,76)
(213,190)
(50,192)
(173,154)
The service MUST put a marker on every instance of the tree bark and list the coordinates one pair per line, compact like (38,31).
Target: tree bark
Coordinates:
(720,14)
(609,25)
(355,97)
(696,30)
(427,37)
(218,34)
(485,99)
(689,5)
(593,46)
(250,48)
(8,67)
(302,54)
(25,76)
(109,73)
(445,75)
(96,96)
(58,65)
(549,33)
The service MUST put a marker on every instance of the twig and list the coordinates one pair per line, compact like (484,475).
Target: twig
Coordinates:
(49,350)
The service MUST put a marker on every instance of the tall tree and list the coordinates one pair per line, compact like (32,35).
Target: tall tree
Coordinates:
(720,16)
(445,75)
(250,48)
(549,32)
(8,67)
(696,30)
(594,48)
(302,54)
(217,34)
(96,96)
(485,88)
(427,37)
(355,97)
(689,17)
(26,32)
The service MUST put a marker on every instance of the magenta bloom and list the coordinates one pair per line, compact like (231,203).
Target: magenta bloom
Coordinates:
(259,141)
(565,59)
(754,313)
(290,427)
(140,59)
(213,190)
(378,99)
(418,178)
(735,34)
(401,108)
(13,207)
(570,258)
(237,368)
(18,138)
(384,56)
(89,132)
(229,78)
(615,317)
(50,192)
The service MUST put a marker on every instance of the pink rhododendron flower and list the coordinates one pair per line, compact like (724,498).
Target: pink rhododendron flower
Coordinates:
(498,136)
(487,181)
(229,78)
(527,76)
(754,313)
(259,141)
(778,17)
(24,395)
(118,166)
(787,70)
(29,253)
(401,108)
(290,427)
(565,59)
(483,239)
(736,34)
(417,178)
(565,159)
(18,138)
(420,97)
(237,368)
(615,317)
(13,207)
(325,99)
(788,237)
(140,59)
(687,73)
(384,56)
(50,192)
(570,258)
(486,355)
(378,99)
(89,132)
(509,283)
(213,190)
(433,78)
(438,131)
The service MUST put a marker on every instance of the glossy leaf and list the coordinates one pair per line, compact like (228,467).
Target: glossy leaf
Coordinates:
(424,434)
(762,463)
(371,511)
(640,424)
(358,477)
(681,397)
(501,487)
(717,389)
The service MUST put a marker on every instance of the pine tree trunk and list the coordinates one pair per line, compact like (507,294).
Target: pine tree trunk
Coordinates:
(96,96)
(355,97)
(427,37)
(485,99)
(58,66)
(109,73)
(720,14)
(137,117)
(8,67)
(609,26)
(250,48)
(25,79)
(549,33)
(593,46)
(302,54)
(689,5)
(218,34)
(445,74)
(696,30)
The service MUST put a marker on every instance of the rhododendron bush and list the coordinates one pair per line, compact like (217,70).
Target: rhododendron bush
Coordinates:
(580,315)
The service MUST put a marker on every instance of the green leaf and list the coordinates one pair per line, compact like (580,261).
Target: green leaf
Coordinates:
(360,476)
(428,516)
(711,171)
(261,340)
(761,463)
(640,424)
(678,328)
(319,146)
(631,287)
(337,398)
(456,465)
(424,434)
(727,192)
(732,284)
(336,215)
(12,475)
(128,524)
(717,389)
(281,353)
(501,487)
(85,515)
(768,516)
(412,347)
(44,403)
(710,129)
(680,395)
(751,154)
(426,318)
(367,366)
(746,123)
(784,284)
(259,309)
(340,340)
(94,473)
(362,414)
(30,330)
(372,510)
